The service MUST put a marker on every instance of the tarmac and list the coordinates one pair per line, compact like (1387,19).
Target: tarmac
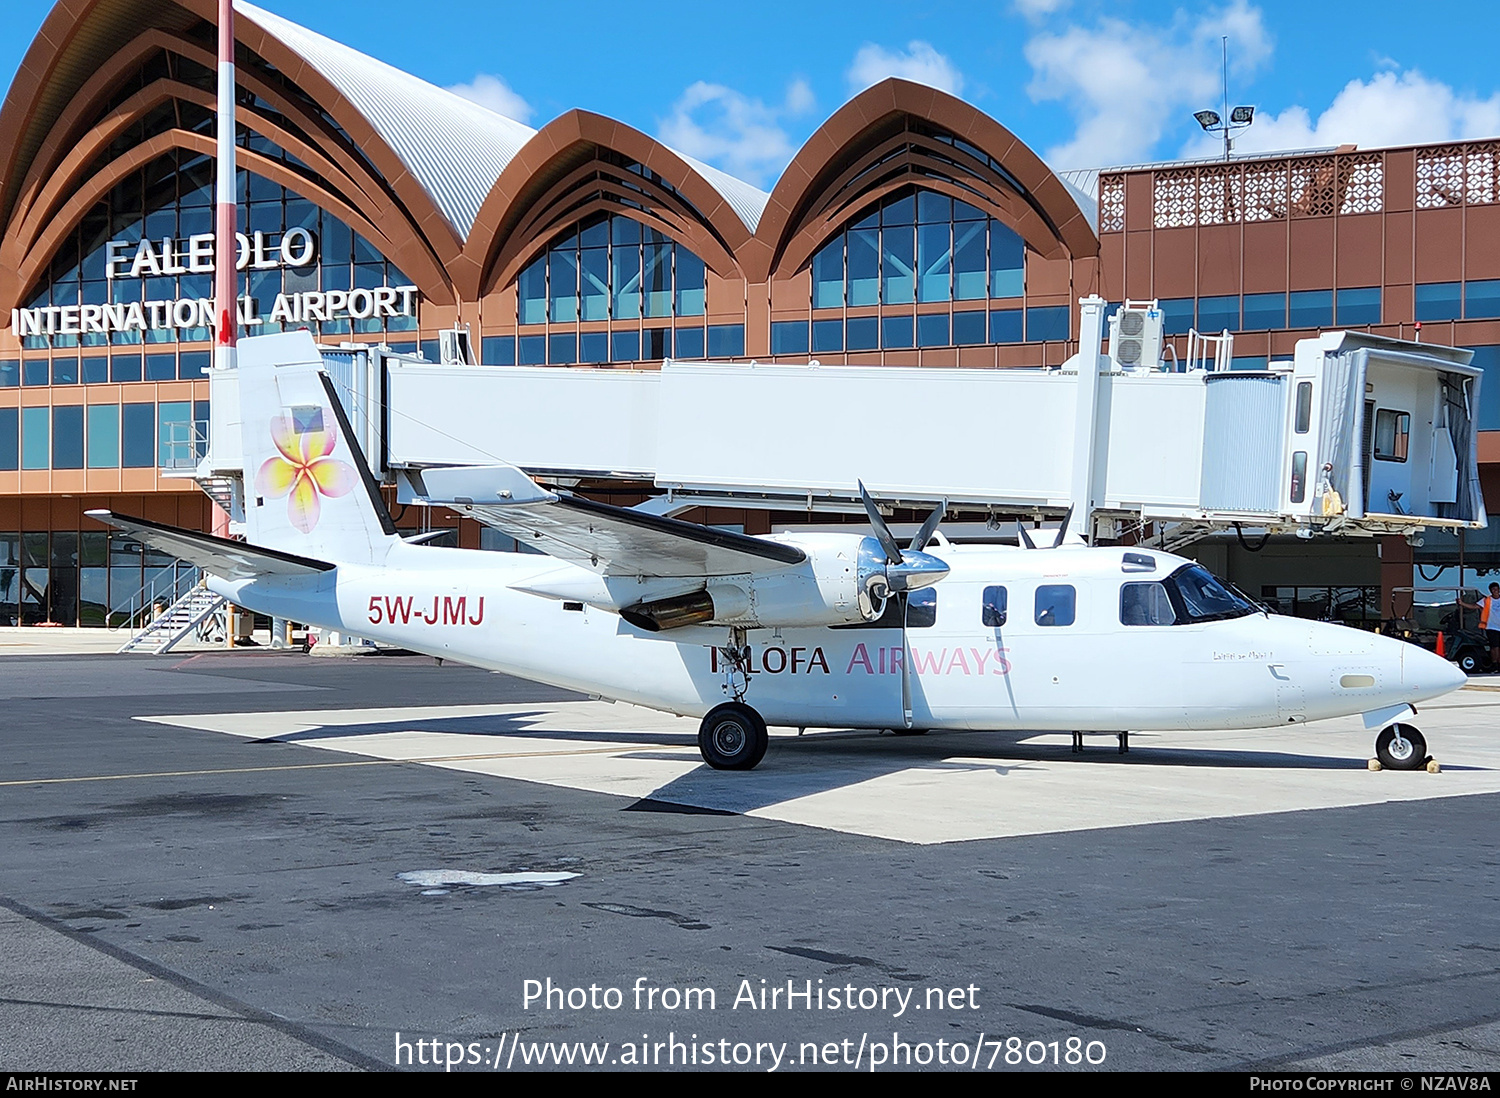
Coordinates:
(252,860)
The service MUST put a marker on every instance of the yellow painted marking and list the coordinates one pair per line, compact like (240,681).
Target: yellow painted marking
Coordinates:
(354,762)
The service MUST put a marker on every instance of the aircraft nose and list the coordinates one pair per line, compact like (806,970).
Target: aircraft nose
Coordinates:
(1426,675)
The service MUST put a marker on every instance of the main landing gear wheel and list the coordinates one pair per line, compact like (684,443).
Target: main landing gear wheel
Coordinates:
(732,737)
(1401,747)
(909,731)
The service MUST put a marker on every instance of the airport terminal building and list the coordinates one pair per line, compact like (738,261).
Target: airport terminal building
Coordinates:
(911,229)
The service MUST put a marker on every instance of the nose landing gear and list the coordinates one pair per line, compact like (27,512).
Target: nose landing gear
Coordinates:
(1401,747)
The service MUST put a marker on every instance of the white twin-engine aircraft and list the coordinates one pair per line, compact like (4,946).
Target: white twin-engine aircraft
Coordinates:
(812,630)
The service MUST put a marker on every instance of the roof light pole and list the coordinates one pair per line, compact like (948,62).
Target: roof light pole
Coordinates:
(226,245)
(1229,121)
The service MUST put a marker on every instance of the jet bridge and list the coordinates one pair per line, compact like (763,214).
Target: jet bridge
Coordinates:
(1356,434)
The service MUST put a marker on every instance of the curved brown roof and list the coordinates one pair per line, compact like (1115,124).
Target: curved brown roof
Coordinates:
(1025,192)
(84,49)
(563,159)
(889,136)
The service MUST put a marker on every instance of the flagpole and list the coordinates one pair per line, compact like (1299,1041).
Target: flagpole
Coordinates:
(226,248)
(226,245)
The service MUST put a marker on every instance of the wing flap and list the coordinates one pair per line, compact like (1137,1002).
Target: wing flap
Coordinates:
(220,556)
(610,540)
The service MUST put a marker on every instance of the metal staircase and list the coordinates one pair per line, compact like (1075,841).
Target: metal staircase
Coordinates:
(176,622)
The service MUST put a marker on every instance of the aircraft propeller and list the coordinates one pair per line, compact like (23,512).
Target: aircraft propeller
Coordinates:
(906,571)
(1062,532)
(909,569)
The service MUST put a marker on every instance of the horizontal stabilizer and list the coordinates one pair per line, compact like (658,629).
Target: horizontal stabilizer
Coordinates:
(481,484)
(220,556)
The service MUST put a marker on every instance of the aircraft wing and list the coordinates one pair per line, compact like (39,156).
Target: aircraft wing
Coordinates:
(609,540)
(222,557)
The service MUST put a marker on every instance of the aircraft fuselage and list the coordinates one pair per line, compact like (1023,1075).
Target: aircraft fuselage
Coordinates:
(1030,671)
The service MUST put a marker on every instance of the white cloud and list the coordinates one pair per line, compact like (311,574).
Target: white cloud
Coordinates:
(1038,9)
(920,63)
(1126,83)
(494,93)
(746,137)
(1389,109)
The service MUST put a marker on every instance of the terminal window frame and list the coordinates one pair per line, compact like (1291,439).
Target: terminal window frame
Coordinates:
(918,245)
(1056,605)
(1357,305)
(610,267)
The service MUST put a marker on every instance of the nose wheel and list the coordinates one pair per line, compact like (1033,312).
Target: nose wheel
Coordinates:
(1401,747)
(732,737)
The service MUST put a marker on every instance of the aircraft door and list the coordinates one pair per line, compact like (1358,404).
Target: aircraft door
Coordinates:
(849,674)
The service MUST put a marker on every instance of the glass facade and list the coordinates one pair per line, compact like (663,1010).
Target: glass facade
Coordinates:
(137,247)
(169,435)
(1488,359)
(1358,305)
(68,577)
(918,246)
(613,269)
(1311,309)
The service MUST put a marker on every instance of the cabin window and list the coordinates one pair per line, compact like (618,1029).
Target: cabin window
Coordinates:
(1392,435)
(1304,406)
(921,608)
(1056,604)
(994,606)
(1299,476)
(1146,604)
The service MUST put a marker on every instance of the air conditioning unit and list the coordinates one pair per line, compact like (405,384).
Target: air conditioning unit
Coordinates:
(1135,333)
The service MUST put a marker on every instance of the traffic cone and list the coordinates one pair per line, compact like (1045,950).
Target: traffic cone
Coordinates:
(1439,649)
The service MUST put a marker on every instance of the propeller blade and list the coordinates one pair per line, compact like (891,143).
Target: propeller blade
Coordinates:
(1026,541)
(905,667)
(1062,531)
(882,531)
(924,535)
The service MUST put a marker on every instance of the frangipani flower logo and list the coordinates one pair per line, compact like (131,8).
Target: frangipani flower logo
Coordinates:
(303,472)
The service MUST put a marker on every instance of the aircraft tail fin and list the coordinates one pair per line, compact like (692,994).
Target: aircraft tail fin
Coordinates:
(308,489)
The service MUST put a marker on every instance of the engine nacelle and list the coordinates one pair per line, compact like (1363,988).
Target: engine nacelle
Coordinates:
(842,582)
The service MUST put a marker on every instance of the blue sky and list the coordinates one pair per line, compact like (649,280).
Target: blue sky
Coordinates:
(1084,83)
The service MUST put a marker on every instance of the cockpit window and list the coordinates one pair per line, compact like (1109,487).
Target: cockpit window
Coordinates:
(1146,604)
(1197,596)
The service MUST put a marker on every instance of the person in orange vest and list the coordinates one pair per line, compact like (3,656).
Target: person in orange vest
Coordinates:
(1489,621)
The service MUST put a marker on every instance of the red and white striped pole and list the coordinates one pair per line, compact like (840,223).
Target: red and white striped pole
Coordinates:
(226,247)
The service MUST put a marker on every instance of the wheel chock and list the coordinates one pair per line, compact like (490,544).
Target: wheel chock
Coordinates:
(1433,767)
(1374,764)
